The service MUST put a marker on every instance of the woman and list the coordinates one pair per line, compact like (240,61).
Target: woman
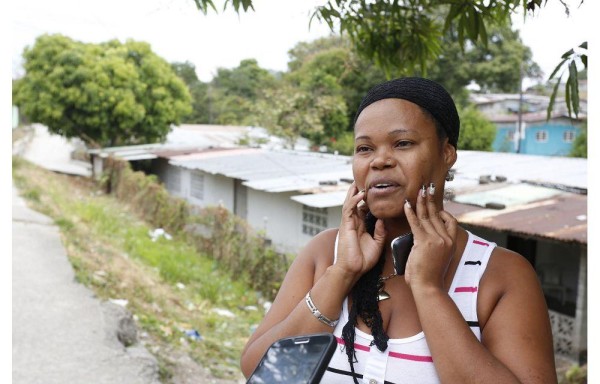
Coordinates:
(465,311)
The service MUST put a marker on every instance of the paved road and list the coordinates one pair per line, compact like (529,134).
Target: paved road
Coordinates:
(52,152)
(61,333)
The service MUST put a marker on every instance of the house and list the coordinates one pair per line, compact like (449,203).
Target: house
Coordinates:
(535,205)
(537,135)
(261,186)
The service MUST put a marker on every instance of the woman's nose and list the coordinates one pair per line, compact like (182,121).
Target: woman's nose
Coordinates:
(382,160)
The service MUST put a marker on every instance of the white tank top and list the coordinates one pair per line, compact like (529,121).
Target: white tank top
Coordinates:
(408,360)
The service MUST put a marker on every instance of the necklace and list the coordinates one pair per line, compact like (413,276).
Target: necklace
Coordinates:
(381,293)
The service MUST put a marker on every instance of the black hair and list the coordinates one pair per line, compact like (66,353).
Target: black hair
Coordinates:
(365,304)
(427,94)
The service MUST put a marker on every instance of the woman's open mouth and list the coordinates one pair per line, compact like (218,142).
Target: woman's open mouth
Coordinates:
(382,188)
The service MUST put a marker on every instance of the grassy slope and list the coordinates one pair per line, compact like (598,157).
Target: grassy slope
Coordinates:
(169,286)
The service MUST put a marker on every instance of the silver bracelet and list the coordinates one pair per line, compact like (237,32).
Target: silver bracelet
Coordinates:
(321,317)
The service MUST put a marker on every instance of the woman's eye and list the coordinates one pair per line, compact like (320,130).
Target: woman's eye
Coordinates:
(362,148)
(403,143)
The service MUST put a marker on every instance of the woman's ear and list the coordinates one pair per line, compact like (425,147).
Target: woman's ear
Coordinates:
(449,154)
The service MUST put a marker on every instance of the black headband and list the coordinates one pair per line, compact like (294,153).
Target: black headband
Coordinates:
(427,94)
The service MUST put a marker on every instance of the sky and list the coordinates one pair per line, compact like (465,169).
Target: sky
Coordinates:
(178,32)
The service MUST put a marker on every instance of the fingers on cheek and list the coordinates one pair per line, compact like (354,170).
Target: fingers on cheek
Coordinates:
(411,216)
(421,203)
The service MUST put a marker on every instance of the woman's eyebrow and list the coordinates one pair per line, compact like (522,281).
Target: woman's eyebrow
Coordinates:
(397,131)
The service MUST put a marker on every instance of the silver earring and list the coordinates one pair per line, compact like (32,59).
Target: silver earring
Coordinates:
(450,175)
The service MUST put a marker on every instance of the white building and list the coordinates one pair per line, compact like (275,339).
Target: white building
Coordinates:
(267,188)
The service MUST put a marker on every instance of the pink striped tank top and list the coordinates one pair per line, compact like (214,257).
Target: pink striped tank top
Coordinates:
(408,360)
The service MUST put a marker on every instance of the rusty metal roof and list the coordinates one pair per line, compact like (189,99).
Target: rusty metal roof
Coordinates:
(562,217)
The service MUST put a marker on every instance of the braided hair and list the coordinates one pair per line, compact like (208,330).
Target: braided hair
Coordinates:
(365,304)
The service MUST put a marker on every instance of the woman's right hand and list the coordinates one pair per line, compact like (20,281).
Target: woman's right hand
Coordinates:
(358,251)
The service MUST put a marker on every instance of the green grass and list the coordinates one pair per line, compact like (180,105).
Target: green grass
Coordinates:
(112,252)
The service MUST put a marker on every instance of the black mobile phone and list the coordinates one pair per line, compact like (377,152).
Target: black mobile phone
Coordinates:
(401,247)
(295,360)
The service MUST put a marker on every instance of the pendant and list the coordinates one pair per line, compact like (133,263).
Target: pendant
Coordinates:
(382,295)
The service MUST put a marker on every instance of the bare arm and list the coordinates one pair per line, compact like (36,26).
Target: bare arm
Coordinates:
(313,271)
(516,342)
(289,315)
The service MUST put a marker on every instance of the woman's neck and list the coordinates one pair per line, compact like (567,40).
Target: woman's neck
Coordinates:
(396,227)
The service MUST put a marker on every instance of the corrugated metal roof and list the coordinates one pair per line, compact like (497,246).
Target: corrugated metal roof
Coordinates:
(532,117)
(322,200)
(271,170)
(507,195)
(205,135)
(562,171)
(305,182)
(562,217)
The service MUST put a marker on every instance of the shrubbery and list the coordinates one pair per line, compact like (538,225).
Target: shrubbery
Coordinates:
(214,231)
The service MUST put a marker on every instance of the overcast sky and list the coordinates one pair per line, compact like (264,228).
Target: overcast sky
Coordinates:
(178,32)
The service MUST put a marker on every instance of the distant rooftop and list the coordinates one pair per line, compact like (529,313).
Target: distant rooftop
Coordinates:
(544,170)
(272,170)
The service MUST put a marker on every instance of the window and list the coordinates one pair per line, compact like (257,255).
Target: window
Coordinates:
(541,136)
(510,135)
(197,185)
(569,136)
(174,179)
(314,220)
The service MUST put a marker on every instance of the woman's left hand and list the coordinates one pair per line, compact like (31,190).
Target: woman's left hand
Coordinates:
(434,231)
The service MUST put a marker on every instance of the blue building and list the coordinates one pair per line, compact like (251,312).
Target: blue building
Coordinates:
(538,136)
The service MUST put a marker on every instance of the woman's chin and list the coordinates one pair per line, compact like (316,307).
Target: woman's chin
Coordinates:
(387,212)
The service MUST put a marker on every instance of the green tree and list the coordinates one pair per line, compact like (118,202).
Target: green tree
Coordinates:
(329,66)
(476,131)
(234,92)
(496,67)
(404,37)
(198,91)
(290,112)
(246,80)
(493,67)
(319,75)
(580,145)
(106,94)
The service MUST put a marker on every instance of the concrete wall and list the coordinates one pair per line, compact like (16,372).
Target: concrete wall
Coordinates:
(279,216)
(218,190)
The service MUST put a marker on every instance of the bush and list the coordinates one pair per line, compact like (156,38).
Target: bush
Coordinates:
(214,231)
(576,375)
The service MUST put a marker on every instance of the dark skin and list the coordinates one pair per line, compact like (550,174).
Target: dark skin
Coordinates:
(397,152)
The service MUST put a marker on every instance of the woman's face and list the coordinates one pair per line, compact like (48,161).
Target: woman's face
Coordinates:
(396,151)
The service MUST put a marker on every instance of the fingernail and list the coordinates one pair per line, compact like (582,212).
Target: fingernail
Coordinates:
(423,189)
(361,191)
(407,203)
(431,189)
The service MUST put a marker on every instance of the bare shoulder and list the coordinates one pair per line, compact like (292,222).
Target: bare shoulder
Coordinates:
(507,272)
(514,317)
(319,251)
(310,263)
